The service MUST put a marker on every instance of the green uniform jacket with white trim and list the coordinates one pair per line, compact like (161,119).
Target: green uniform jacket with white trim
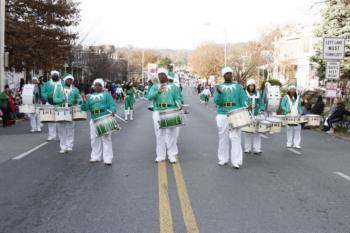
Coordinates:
(99,104)
(177,89)
(170,97)
(231,93)
(259,103)
(48,89)
(285,105)
(74,97)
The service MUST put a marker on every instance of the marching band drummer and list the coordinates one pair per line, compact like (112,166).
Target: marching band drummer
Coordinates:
(291,105)
(255,105)
(67,96)
(47,94)
(35,123)
(99,103)
(164,97)
(229,96)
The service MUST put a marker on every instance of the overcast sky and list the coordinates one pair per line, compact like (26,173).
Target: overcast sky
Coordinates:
(185,24)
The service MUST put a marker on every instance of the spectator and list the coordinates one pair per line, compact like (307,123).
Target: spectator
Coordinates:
(337,116)
(4,106)
(318,107)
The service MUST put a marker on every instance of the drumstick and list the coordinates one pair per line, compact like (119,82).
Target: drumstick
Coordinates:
(116,115)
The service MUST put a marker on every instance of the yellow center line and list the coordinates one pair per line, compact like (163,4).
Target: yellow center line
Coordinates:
(186,208)
(165,217)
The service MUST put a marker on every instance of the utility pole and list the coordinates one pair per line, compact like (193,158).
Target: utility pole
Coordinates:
(143,64)
(2,44)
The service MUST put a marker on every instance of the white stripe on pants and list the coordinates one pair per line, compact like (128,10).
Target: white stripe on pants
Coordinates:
(166,139)
(101,146)
(52,130)
(248,138)
(293,135)
(225,136)
(66,135)
(34,121)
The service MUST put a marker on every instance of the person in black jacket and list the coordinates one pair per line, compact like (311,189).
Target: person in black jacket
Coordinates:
(318,107)
(337,115)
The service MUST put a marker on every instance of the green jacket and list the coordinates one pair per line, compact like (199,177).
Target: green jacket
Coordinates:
(259,103)
(74,97)
(232,93)
(130,93)
(47,91)
(99,104)
(170,97)
(177,89)
(4,100)
(285,105)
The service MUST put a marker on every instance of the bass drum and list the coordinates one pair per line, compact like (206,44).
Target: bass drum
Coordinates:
(28,94)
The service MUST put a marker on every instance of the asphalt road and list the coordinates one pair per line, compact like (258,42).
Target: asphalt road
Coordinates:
(281,191)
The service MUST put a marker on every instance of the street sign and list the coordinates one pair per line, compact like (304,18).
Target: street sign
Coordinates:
(333,70)
(333,48)
(331,90)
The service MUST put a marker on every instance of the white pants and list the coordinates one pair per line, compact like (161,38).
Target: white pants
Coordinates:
(225,136)
(66,135)
(293,135)
(101,146)
(166,140)
(52,130)
(34,121)
(248,138)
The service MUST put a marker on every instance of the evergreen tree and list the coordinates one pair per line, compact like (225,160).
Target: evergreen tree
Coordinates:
(335,23)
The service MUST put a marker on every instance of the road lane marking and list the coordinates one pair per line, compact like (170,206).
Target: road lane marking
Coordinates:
(264,136)
(165,217)
(185,203)
(29,151)
(294,151)
(342,175)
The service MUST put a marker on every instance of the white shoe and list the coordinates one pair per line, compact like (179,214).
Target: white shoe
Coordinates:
(289,146)
(69,149)
(62,151)
(330,131)
(39,130)
(94,160)
(235,166)
(221,163)
(158,160)
(32,130)
(172,160)
(297,147)
(108,163)
(50,139)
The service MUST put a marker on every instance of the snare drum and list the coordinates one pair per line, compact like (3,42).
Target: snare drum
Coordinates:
(251,128)
(78,114)
(170,118)
(302,119)
(63,114)
(313,120)
(283,118)
(264,126)
(292,120)
(276,124)
(47,113)
(27,108)
(105,125)
(239,118)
